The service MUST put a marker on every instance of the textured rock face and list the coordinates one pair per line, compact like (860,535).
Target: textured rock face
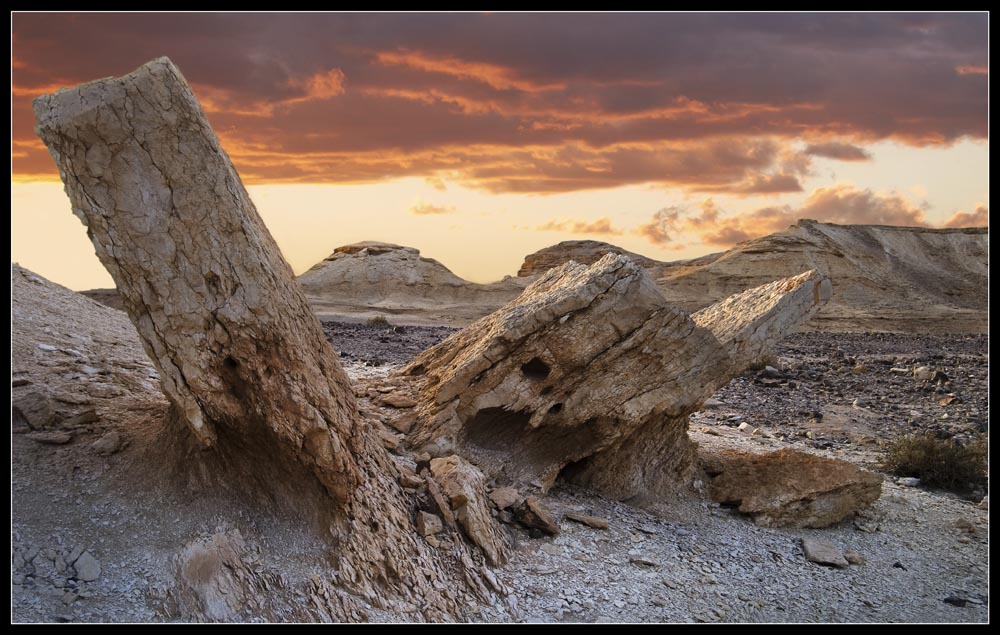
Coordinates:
(905,279)
(591,371)
(215,304)
(377,277)
(791,489)
(886,278)
(240,355)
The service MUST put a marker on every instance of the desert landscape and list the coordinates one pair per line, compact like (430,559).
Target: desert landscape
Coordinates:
(791,429)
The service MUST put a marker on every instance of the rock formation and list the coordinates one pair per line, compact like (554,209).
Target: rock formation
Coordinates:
(897,279)
(592,374)
(241,357)
(790,489)
(371,277)
(585,252)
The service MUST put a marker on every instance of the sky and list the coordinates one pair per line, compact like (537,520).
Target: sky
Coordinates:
(479,138)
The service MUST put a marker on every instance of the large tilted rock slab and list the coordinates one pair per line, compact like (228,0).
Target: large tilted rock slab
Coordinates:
(591,372)
(217,307)
(240,355)
(788,488)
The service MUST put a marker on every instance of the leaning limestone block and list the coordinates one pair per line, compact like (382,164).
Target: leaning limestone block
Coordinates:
(241,356)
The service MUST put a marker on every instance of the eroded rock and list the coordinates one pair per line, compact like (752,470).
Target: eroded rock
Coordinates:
(533,514)
(590,373)
(465,489)
(788,488)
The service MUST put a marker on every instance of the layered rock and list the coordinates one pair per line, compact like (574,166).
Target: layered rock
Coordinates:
(788,488)
(590,371)
(905,279)
(585,252)
(369,278)
(901,279)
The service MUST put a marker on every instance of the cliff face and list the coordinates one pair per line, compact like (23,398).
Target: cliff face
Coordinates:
(369,278)
(903,279)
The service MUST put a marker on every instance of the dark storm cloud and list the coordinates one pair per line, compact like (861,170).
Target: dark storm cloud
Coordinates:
(540,102)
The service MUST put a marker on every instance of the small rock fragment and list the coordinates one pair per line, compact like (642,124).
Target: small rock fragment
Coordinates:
(87,567)
(428,524)
(82,418)
(909,481)
(590,521)
(108,444)
(397,400)
(823,552)
(534,515)
(504,497)
(51,438)
(854,557)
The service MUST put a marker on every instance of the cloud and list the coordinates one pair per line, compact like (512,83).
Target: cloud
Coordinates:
(582,101)
(969,69)
(839,151)
(436,182)
(848,205)
(425,209)
(761,184)
(978,218)
(600,226)
(660,229)
(841,204)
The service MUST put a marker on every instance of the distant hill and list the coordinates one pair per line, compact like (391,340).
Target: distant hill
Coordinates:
(370,278)
(905,279)
(894,279)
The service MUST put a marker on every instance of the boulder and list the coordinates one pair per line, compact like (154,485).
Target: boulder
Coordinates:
(788,488)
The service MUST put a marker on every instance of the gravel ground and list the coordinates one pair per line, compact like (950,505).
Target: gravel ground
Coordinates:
(684,560)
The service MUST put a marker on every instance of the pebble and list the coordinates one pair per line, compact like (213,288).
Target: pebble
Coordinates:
(87,567)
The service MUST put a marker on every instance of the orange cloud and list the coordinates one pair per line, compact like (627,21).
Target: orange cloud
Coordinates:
(493,75)
(583,101)
(322,85)
(969,69)
(600,226)
(978,218)
(841,204)
(761,184)
(426,209)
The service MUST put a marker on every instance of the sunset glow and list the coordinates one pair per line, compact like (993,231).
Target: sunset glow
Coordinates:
(480,138)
